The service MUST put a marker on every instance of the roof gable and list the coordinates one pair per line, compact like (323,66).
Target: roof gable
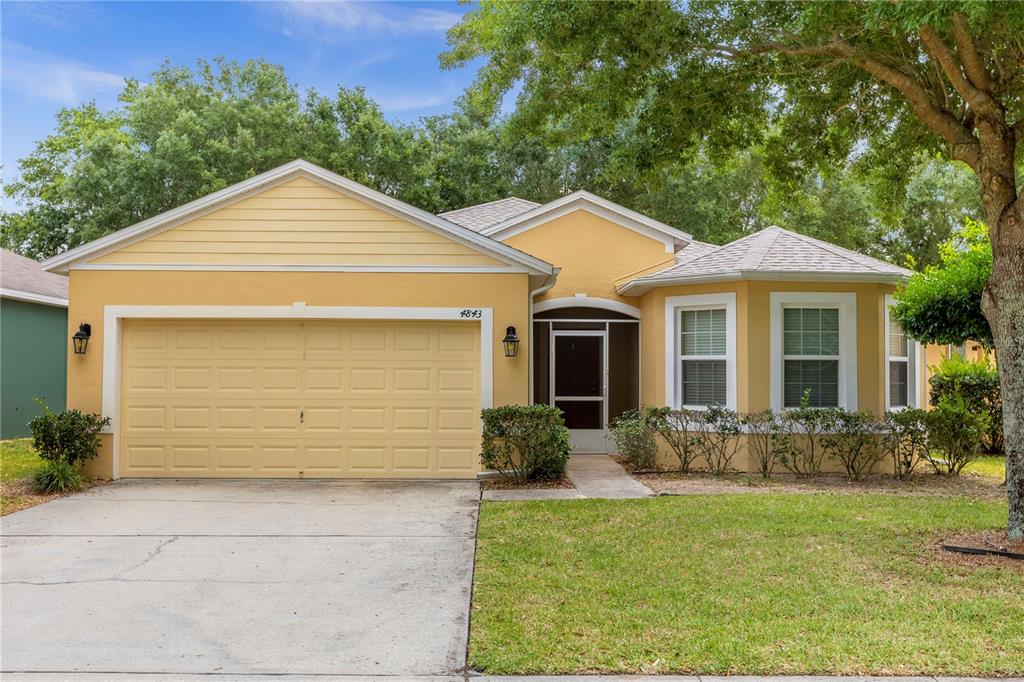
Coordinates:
(582,200)
(376,207)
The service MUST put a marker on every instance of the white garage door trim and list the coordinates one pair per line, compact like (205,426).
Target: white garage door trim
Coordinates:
(114,314)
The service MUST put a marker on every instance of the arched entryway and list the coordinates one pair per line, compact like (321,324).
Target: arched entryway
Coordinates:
(587,363)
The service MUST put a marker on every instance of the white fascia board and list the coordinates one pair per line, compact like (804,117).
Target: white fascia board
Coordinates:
(219,199)
(642,285)
(31,297)
(608,210)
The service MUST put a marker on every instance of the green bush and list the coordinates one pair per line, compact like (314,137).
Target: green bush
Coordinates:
(718,431)
(954,433)
(70,436)
(804,427)
(853,438)
(906,440)
(58,476)
(525,442)
(766,440)
(680,429)
(635,438)
(978,384)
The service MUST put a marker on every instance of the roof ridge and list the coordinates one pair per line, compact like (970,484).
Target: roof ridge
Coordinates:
(840,251)
(757,254)
(488,203)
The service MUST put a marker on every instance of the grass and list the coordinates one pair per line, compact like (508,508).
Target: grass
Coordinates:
(17,461)
(990,466)
(742,584)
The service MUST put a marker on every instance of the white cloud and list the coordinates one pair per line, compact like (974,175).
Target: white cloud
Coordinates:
(394,101)
(57,16)
(324,19)
(39,74)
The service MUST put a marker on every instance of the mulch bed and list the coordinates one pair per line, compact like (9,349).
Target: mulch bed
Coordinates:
(984,540)
(504,484)
(969,485)
(18,495)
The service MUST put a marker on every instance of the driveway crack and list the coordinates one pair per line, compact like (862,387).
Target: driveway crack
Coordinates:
(149,557)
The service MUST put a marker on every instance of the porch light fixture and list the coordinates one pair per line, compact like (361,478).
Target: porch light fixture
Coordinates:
(511,342)
(81,338)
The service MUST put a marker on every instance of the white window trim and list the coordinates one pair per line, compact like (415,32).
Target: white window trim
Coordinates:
(847,305)
(113,315)
(674,305)
(913,351)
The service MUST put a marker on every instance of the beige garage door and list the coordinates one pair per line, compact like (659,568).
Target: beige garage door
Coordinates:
(316,399)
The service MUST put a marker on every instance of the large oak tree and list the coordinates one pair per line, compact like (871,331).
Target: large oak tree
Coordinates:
(873,83)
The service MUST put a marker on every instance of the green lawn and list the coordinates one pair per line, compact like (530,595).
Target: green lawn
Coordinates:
(754,584)
(991,466)
(17,460)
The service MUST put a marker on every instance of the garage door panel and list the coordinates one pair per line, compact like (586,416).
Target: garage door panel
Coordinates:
(300,399)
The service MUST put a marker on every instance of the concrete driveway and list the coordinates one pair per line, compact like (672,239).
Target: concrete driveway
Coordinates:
(240,577)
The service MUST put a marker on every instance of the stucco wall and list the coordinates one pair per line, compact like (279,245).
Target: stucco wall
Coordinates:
(90,291)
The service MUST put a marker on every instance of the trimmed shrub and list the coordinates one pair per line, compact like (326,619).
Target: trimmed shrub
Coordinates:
(766,440)
(525,442)
(635,439)
(977,383)
(680,429)
(718,438)
(906,440)
(71,436)
(853,439)
(804,426)
(58,476)
(954,433)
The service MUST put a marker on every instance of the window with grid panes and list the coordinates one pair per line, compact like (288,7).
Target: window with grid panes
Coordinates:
(702,356)
(810,356)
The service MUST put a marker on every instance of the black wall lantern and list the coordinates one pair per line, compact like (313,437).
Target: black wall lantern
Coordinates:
(511,342)
(81,338)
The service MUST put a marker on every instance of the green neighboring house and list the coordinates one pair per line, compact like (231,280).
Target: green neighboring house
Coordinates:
(33,342)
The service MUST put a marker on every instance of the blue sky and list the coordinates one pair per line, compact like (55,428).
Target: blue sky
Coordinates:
(62,54)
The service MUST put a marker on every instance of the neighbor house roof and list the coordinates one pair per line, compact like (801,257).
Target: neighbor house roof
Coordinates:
(275,176)
(24,279)
(772,253)
(481,216)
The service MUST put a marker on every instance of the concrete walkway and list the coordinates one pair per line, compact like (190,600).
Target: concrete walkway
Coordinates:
(594,476)
(602,477)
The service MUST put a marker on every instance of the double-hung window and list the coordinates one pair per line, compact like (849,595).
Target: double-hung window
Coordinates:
(813,349)
(700,350)
(810,362)
(702,356)
(900,368)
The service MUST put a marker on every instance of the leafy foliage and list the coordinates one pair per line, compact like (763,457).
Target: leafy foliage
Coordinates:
(978,384)
(58,476)
(767,440)
(943,304)
(804,427)
(853,438)
(906,440)
(955,432)
(635,439)
(680,429)
(718,438)
(525,442)
(70,436)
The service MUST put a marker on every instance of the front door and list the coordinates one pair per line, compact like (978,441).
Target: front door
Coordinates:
(578,386)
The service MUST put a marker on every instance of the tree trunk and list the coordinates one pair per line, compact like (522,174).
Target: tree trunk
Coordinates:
(1003,305)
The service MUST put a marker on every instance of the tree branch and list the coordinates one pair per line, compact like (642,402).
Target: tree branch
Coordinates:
(963,144)
(937,49)
(969,54)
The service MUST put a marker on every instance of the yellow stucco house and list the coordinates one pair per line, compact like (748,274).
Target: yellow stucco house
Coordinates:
(299,324)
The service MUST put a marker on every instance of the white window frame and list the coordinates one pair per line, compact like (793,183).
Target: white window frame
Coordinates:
(913,349)
(846,303)
(674,306)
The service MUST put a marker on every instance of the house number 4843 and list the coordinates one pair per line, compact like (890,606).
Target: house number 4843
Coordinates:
(472,312)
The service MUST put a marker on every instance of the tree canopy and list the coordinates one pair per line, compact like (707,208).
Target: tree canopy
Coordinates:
(188,132)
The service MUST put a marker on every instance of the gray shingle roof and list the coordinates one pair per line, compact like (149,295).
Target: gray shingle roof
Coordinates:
(20,274)
(771,251)
(482,216)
